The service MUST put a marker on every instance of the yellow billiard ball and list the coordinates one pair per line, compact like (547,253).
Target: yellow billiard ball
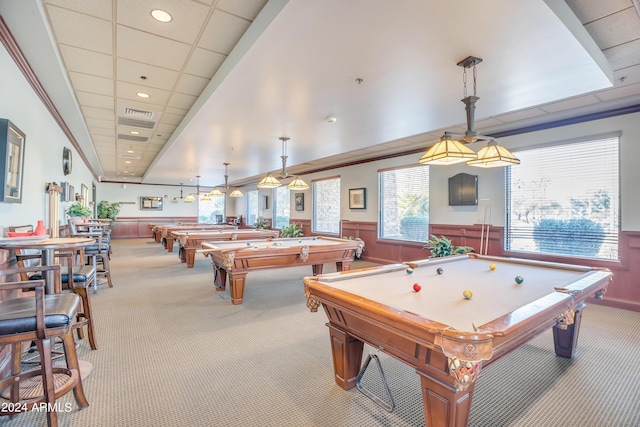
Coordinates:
(467,294)
(492,267)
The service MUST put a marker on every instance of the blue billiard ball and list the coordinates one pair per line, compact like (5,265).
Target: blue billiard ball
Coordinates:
(248,243)
(409,270)
(519,280)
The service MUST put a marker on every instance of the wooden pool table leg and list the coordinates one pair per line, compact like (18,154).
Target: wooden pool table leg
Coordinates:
(190,256)
(219,278)
(170,245)
(236,287)
(317,269)
(565,340)
(181,254)
(343,266)
(444,405)
(347,356)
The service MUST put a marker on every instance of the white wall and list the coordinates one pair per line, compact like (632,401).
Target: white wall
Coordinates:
(128,195)
(43,149)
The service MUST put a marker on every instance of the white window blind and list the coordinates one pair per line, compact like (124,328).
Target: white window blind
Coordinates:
(252,207)
(564,200)
(281,206)
(326,206)
(404,204)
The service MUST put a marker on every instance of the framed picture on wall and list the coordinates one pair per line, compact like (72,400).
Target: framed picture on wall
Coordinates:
(357,198)
(299,201)
(12,164)
(151,203)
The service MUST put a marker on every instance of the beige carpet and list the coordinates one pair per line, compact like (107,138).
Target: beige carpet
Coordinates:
(174,352)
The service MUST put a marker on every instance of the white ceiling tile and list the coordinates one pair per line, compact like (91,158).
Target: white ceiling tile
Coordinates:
(247,9)
(568,104)
(620,92)
(99,123)
(188,17)
(131,72)
(166,127)
(98,113)
(171,119)
(87,62)
(177,111)
(94,100)
(84,31)
(223,32)
(89,83)
(616,29)
(98,8)
(102,134)
(625,55)
(521,115)
(128,91)
(144,47)
(204,63)
(589,10)
(191,85)
(180,100)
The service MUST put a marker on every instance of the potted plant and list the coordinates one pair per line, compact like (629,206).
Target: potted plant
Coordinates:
(358,254)
(261,224)
(78,212)
(108,210)
(441,246)
(291,230)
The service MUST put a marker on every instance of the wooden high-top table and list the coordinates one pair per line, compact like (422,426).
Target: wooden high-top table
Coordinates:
(47,246)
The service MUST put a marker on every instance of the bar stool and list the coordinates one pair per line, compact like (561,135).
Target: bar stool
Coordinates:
(39,318)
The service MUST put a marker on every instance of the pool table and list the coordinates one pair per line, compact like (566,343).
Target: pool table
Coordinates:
(190,241)
(171,232)
(236,259)
(446,336)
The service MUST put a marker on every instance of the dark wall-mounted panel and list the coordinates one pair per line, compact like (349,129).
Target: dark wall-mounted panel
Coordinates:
(463,190)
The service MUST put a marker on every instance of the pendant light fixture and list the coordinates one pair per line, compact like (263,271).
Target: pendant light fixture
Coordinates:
(450,151)
(235,192)
(269,181)
(175,199)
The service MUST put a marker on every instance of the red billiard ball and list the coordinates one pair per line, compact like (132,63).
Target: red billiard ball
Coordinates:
(416,287)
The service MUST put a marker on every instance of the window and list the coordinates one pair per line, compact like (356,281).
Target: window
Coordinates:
(404,204)
(564,200)
(252,207)
(209,211)
(281,206)
(326,206)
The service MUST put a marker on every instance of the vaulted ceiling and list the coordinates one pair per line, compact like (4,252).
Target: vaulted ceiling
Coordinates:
(225,79)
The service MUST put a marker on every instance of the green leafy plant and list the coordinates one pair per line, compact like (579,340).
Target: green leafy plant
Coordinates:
(78,209)
(261,223)
(108,210)
(291,230)
(441,246)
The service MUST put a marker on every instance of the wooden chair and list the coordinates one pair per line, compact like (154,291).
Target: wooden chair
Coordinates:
(79,282)
(39,318)
(98,253)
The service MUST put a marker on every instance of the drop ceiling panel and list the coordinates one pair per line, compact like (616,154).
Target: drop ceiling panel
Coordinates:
(98,8)
(589,10)
(128,92)
(89,83)
(615,29)
(569,104)
(157,77)
(191,85)
(180,100)
(98,113)
(80,30)
(188,17)
(223,32)
(87,62)
(247,9)
(99,123)
(95,100)
(621,92)
(204,63)
(144,47)
(625,55)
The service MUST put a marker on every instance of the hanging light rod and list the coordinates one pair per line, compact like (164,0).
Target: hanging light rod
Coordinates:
(450,151)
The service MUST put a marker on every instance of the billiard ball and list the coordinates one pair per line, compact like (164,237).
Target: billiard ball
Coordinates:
(492,267)
(299,240)
(467,294)
(439,271)
(248,243)
(416,287)
(519,280)
(409,270)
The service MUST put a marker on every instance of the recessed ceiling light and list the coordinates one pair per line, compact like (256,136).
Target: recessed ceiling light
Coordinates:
(135,132)
(129,151)
(127,162)
(161,16)
(142,95)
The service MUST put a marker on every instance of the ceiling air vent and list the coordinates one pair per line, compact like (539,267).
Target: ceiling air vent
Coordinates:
(133,117)
(134,138)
